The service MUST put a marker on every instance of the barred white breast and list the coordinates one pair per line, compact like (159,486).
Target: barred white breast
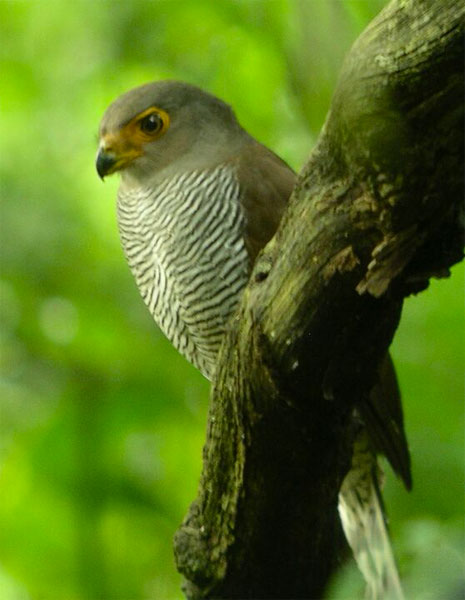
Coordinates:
(184,244)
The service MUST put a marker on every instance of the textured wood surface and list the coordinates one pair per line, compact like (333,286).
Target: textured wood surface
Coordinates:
(375,213)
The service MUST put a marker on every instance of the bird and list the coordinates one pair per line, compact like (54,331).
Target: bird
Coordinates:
(199,197)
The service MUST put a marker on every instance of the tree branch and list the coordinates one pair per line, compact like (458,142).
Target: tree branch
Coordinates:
(374,214)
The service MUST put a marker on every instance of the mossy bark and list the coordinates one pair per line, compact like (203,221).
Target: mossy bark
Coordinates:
(375,213)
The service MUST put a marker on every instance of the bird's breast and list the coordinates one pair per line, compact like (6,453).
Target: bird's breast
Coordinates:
(184,242)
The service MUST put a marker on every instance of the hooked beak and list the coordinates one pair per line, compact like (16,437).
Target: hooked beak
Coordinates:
(115,154)
(105,163)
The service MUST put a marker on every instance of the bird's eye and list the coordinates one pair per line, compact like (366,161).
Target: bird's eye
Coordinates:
(151,124)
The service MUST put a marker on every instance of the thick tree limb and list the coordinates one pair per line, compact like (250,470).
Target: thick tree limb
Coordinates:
(375,213)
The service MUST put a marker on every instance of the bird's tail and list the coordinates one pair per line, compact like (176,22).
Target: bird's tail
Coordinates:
(362,516)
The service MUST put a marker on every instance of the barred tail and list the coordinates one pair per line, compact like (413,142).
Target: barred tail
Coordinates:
(361,512)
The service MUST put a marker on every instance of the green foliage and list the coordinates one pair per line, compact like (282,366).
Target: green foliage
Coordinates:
(101,422)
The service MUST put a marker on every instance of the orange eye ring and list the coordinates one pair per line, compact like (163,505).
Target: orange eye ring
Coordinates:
(152,123)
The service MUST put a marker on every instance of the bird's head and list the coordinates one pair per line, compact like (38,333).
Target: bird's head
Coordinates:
(159,124)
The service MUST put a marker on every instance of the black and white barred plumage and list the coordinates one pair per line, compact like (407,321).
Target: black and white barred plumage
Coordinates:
(184,242)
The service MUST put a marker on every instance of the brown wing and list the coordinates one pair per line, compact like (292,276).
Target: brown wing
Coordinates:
(266,185)
(382,415)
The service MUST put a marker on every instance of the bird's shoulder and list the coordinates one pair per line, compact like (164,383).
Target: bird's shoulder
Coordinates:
(266,182)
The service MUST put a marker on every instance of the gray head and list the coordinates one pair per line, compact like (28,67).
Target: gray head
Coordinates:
(165,124)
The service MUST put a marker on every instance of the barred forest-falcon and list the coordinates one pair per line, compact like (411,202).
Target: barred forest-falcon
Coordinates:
(199,197)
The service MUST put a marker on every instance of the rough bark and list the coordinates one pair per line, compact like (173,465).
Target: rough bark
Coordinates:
(374,214)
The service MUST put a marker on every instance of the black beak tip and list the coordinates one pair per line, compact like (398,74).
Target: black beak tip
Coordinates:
(104,163)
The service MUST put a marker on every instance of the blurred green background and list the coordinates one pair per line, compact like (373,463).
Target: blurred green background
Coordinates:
(101,422)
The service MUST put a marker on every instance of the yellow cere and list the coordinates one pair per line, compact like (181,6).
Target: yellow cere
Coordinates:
(127,143)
